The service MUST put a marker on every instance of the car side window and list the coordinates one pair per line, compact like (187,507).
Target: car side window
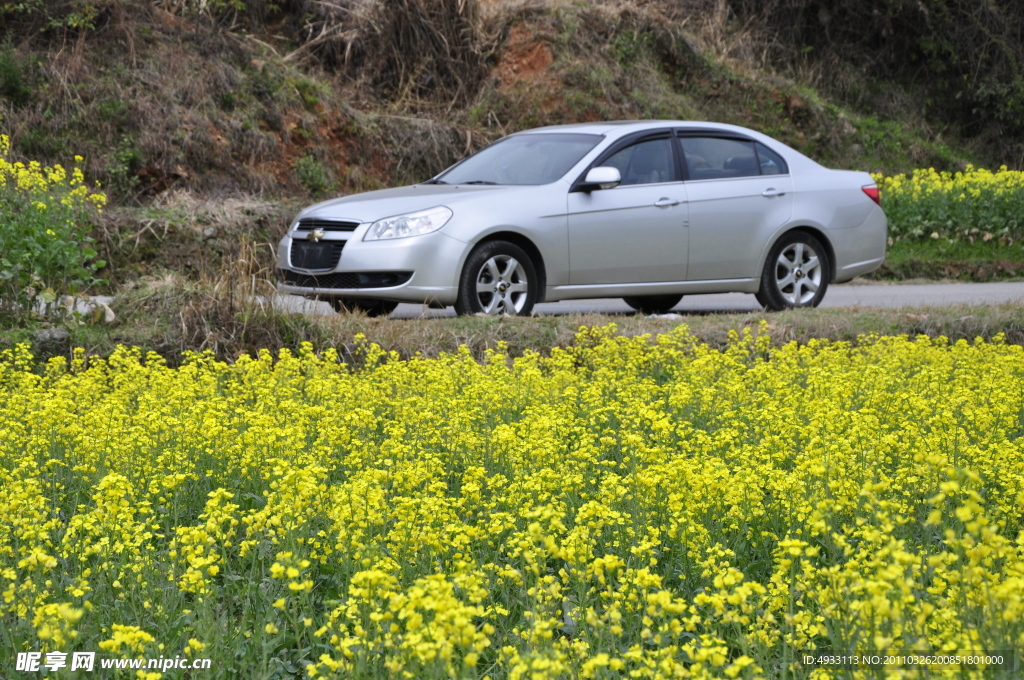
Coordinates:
(771,163)
(646,162)
(717,158)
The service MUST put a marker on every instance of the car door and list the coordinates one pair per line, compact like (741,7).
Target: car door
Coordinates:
(635,232)
(740,193)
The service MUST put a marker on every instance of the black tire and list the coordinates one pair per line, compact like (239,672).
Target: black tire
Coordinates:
(365,305)
(498,278)
(796,273)
(653,304)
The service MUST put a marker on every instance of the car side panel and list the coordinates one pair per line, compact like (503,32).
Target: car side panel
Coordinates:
(861,249)
(730,220)
(833,203)
(623,235)
(537,213)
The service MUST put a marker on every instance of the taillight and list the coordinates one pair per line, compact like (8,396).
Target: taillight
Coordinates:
(872,191)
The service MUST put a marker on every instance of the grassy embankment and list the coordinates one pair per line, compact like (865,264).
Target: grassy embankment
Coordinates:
(171,320)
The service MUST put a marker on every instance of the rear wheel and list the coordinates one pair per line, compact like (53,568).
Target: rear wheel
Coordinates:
(796,273)
(653,304)
(365,305)
(498,278)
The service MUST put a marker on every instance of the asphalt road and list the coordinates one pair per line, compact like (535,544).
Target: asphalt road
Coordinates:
(850,295)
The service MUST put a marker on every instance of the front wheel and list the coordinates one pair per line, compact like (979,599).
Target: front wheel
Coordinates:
(796,273)
(498,278)
(365,305)
(653,304)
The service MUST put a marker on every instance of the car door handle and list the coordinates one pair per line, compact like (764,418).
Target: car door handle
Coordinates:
(666,202)
(771,193)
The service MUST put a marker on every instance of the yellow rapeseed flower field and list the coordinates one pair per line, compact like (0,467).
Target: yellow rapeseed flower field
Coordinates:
(622,508)
(973,204)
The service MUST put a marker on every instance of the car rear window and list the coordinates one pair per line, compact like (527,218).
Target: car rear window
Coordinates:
(717,158)
(771,163)
(720,157)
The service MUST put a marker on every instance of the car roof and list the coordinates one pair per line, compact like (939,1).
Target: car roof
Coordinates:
(627,126)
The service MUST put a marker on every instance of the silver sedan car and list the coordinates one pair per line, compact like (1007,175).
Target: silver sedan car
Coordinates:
(643,210)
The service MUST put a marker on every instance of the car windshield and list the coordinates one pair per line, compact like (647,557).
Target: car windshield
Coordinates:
(526,159)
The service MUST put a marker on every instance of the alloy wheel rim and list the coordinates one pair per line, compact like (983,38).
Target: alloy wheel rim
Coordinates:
(501,285)
(798,273)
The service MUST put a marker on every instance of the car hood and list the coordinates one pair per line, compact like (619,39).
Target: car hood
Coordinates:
(375,205)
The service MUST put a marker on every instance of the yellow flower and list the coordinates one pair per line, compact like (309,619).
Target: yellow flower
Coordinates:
(629,506)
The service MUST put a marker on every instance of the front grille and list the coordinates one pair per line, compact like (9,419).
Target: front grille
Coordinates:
(346,279)
(316,254)
(310,223)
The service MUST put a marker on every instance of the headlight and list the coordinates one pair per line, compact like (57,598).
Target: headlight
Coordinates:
(412,224)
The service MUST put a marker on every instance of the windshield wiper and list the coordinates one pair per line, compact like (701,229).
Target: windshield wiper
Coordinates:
(435,181)
(478,181)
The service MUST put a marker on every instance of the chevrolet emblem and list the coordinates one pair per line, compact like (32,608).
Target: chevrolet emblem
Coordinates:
(316,235)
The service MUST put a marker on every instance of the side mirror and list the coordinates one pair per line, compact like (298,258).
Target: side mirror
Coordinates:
(601,178)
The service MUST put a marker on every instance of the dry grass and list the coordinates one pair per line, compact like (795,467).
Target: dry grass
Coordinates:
(193,235)
(428,145)
(408,50)
(224,312)
(710,26)
(227,314)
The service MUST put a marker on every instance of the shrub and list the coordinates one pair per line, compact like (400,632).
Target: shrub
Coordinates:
(77,14)
(967,56)
(314,175)
(123,168)
(45,247)
(12,79)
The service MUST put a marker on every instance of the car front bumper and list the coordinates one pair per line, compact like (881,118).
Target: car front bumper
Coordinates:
(418,269)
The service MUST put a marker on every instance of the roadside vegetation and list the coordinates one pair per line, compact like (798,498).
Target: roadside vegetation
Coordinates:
(227,316)
(46,250)
(951,260)
(966,225)
(973,205)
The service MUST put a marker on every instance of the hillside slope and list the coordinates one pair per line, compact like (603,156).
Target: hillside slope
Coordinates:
(209,121)
(162,95)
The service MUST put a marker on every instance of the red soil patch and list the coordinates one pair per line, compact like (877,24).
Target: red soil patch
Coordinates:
(345,150)
(525,57)
(525,68)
